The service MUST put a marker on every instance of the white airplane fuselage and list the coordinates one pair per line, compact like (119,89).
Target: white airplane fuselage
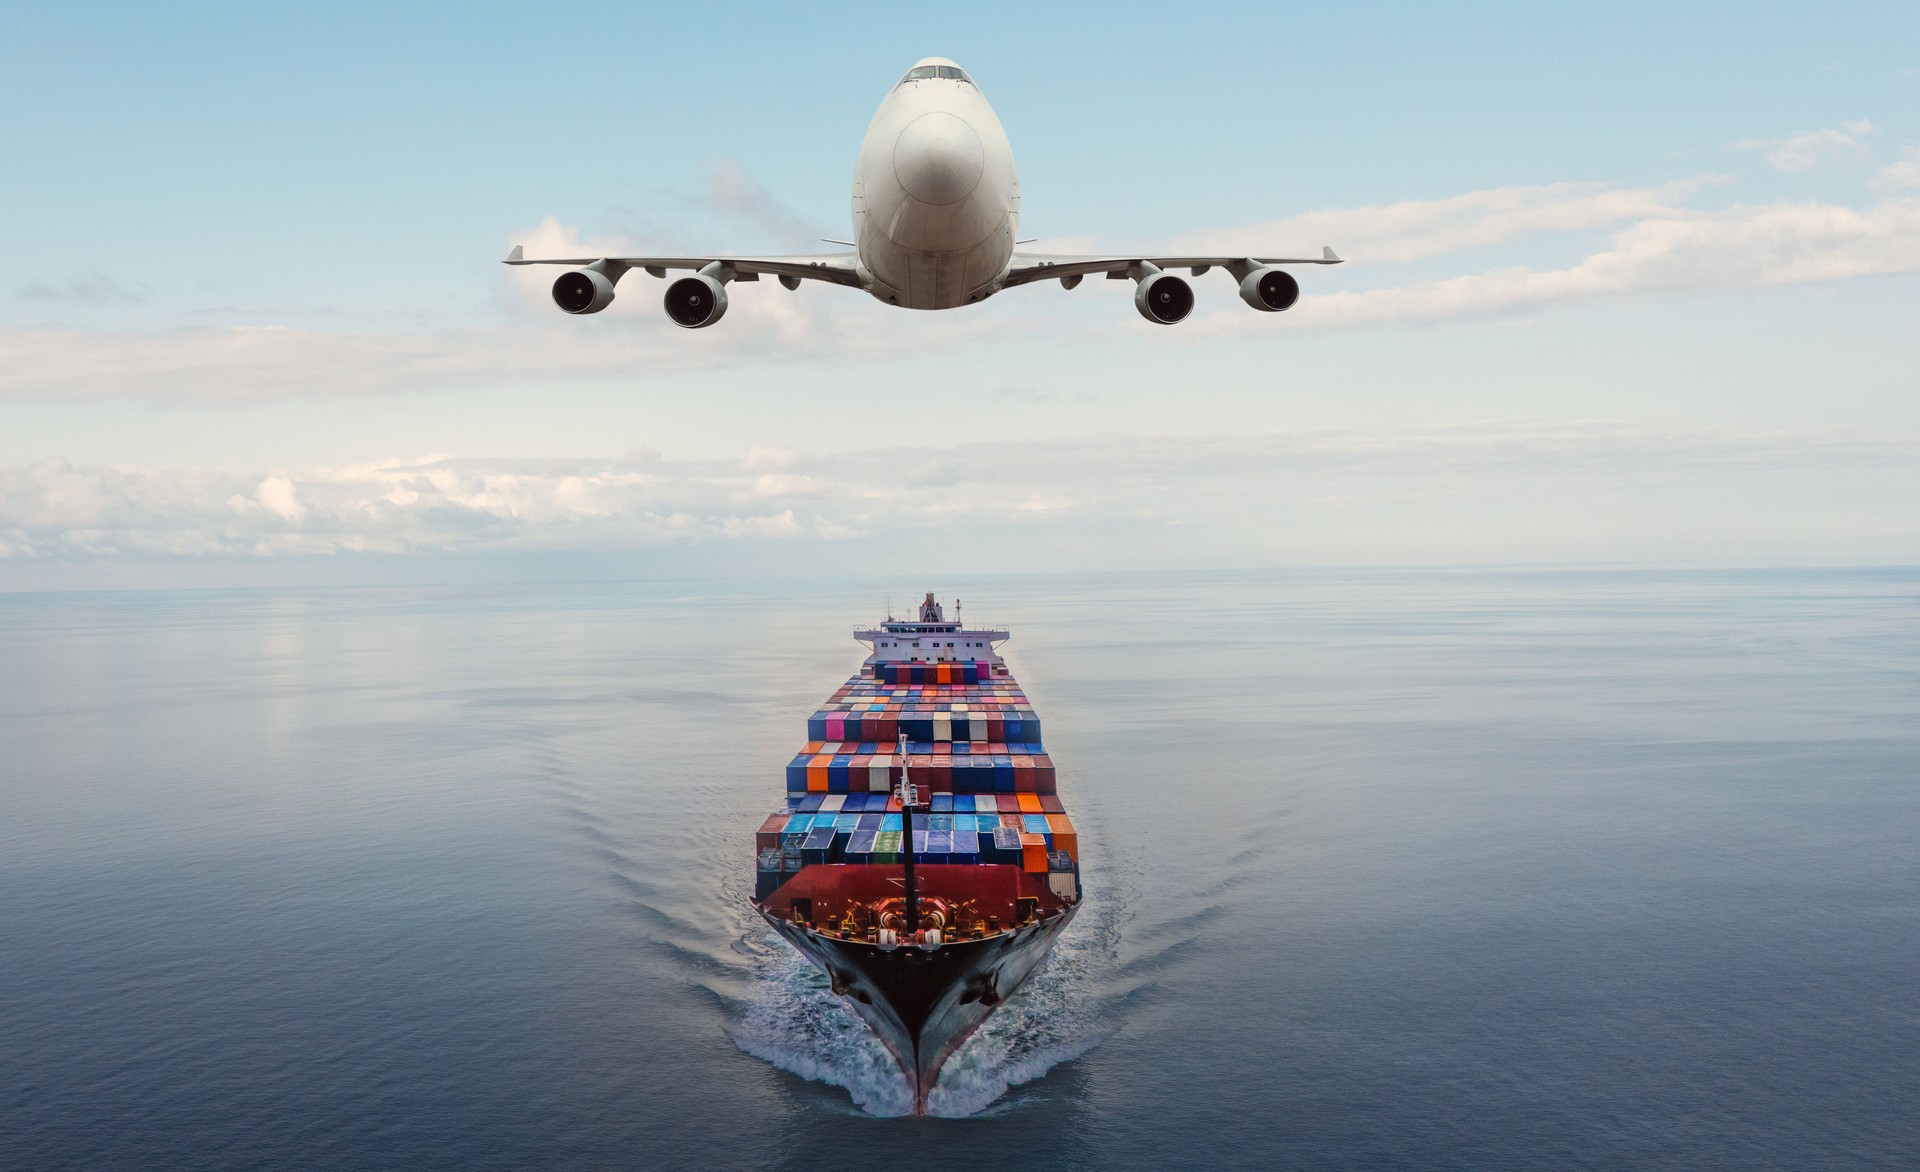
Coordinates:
(936,198)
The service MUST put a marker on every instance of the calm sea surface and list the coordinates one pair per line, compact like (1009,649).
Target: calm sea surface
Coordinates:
(1384,870)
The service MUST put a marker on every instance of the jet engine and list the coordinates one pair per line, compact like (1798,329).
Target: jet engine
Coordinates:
(1163,298)
(696,301)
(1269,289)
(583,291)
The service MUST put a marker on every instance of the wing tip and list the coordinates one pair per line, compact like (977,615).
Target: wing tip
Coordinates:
(516,256)
(1328,256)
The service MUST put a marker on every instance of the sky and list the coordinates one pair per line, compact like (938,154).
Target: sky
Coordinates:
(1628,284)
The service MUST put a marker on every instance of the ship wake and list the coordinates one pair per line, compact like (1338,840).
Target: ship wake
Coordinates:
(794,1022)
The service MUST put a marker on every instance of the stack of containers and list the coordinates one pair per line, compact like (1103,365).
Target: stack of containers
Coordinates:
(973,743)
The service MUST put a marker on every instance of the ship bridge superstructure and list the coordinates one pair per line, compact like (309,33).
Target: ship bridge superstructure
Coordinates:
(932,638)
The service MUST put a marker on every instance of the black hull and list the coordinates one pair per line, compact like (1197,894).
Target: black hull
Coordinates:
(923,1005)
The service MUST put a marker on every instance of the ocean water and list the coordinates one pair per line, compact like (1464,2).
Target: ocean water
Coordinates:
(1384,870)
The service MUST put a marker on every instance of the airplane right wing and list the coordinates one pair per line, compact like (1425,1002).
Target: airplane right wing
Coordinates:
(692,301)
(835,267)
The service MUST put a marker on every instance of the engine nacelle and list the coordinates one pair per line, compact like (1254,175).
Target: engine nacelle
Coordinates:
(1163,298)
(696,301)
(1269,289)
(583,291)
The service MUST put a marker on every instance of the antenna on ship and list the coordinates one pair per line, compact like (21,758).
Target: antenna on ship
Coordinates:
(906,820)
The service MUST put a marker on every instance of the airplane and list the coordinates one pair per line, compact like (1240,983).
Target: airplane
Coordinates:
(936,212)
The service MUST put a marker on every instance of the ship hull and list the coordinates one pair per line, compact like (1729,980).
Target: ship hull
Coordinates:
(924,1004)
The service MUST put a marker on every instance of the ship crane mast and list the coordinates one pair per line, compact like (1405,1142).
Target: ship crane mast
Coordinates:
(906,819)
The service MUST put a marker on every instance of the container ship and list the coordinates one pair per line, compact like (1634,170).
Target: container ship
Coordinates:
(922,858)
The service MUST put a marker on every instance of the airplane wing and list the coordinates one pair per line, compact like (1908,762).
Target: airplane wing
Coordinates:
(1028,267)
(838,268)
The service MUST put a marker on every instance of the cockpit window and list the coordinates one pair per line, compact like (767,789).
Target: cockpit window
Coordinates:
(943,72)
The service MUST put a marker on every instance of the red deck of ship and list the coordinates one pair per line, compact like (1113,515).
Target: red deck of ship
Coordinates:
(976,892)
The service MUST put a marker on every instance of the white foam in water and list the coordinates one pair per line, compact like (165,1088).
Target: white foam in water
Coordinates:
(797,1024)
(1056,1017)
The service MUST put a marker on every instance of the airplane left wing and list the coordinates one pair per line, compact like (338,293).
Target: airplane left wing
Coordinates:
(1161,296)
(1028,267)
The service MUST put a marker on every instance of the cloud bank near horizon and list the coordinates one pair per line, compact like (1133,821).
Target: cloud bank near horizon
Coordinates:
(1275,496)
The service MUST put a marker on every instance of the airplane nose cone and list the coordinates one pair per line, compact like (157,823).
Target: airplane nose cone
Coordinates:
(939,159)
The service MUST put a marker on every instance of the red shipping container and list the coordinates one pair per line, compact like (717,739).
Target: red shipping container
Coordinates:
(1051,804)
(768,836)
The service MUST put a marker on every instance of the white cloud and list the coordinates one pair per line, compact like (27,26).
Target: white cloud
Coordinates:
(770,457)
(1739,248)
(1415,230)
(1903,173)
(1804,152)
(278,496)
(1242,482)
(95,288)
(775,484)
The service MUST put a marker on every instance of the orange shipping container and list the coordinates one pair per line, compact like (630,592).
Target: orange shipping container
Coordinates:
(1029,803)
(1064,838)
(1033,853)
(817,775)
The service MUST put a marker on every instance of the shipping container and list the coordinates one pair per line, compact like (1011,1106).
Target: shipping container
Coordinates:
(818,847)
(1033,854)
(769,833)
(1060,828)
